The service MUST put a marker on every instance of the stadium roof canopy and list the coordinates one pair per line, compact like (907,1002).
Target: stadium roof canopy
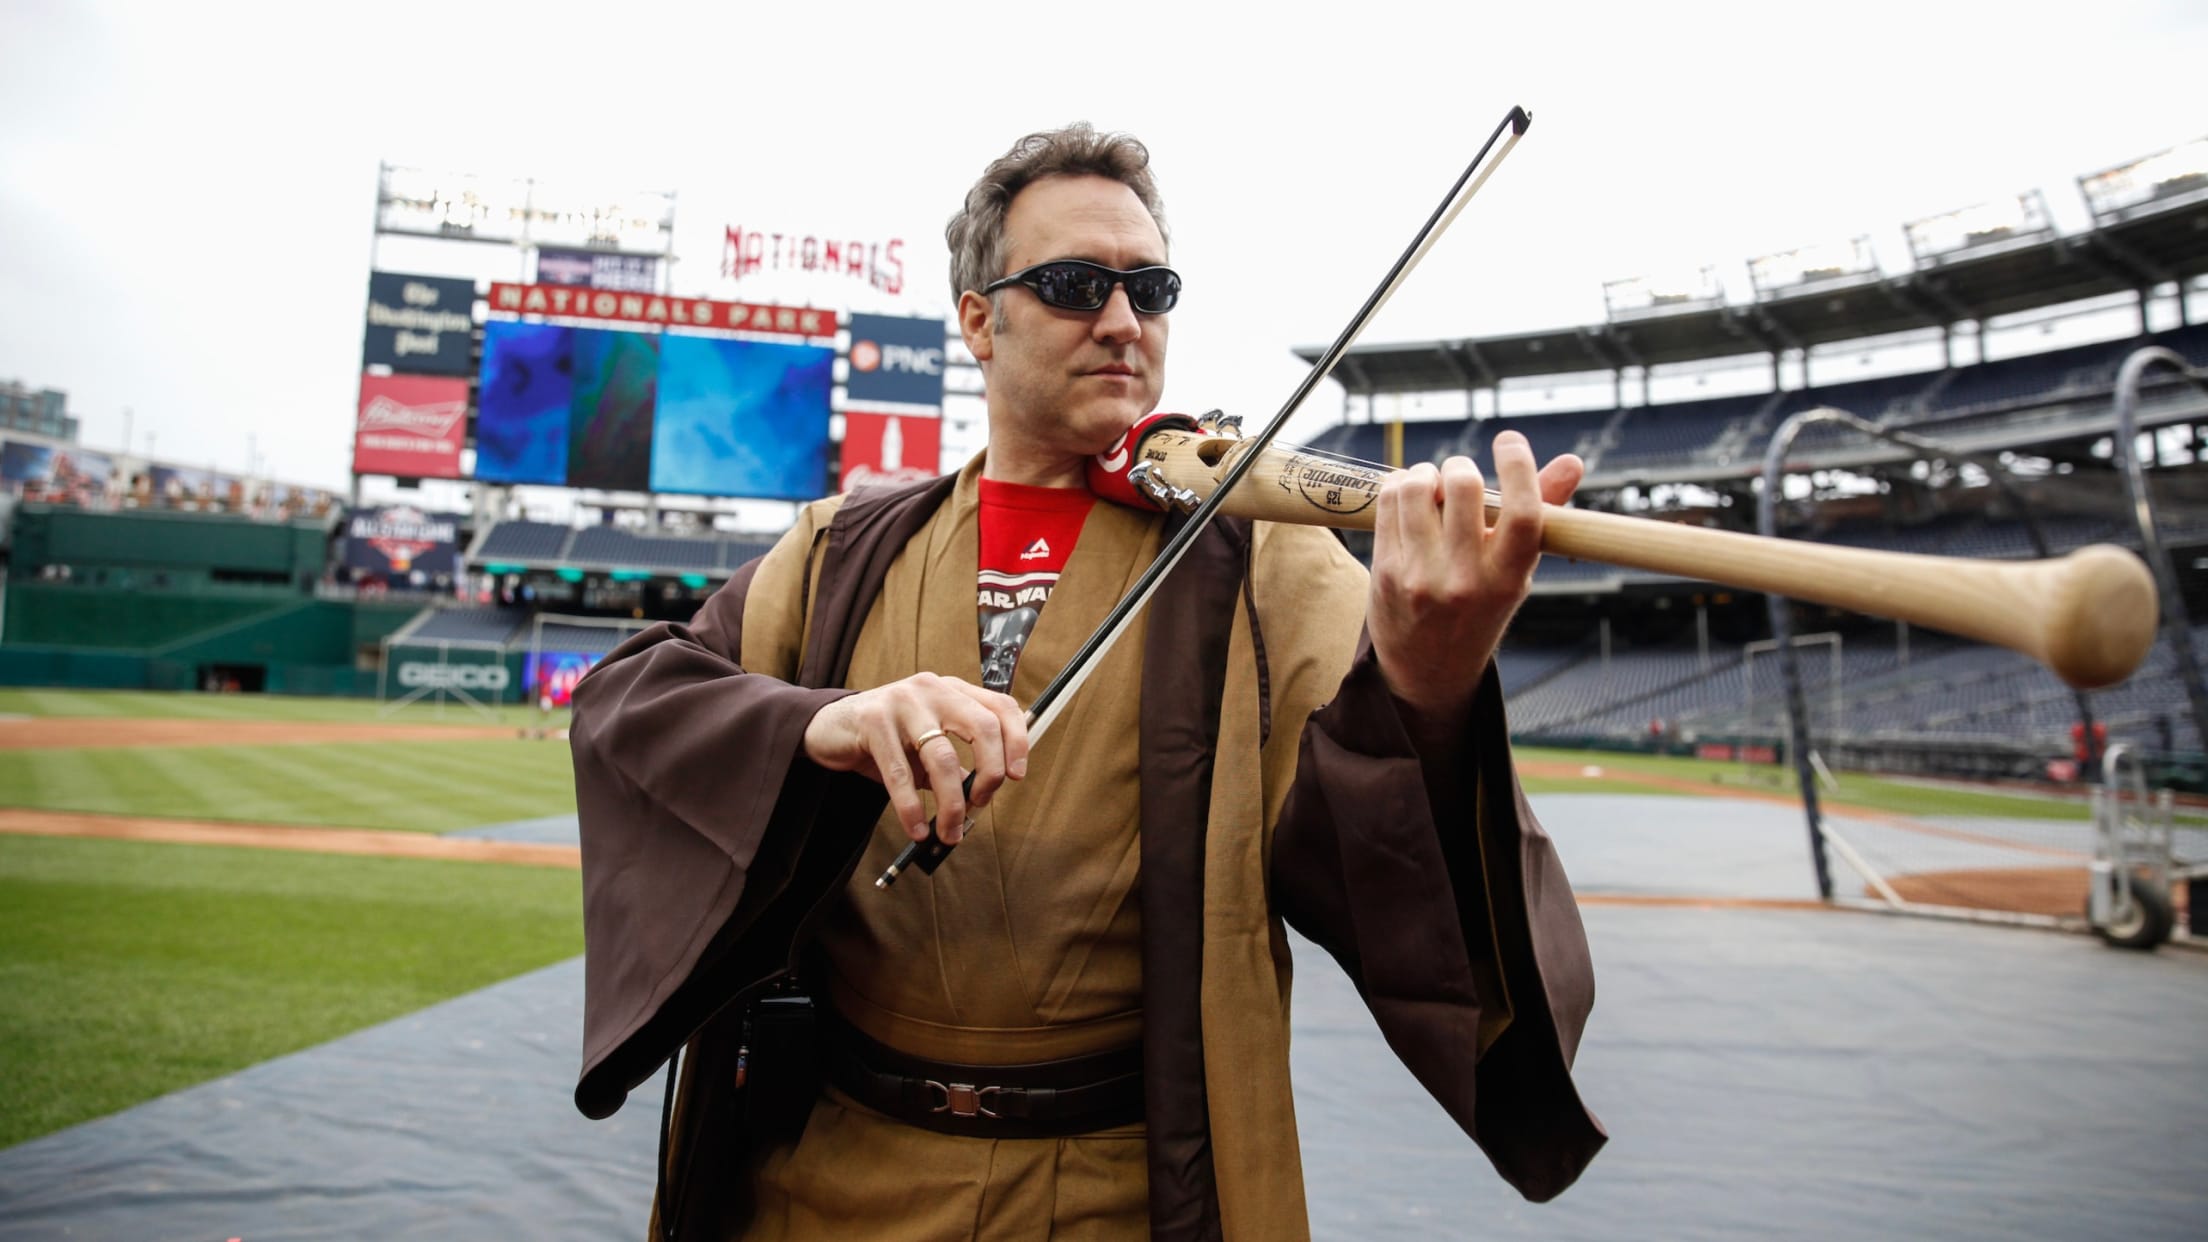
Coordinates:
(2130,248)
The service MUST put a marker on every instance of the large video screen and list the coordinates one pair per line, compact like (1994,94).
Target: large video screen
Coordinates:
(609,439)
(523,403)
(742,418)
(634,411)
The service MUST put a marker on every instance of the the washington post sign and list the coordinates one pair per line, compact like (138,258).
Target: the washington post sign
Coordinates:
(896,360)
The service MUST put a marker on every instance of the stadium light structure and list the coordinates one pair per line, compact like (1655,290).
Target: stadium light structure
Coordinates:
(520,211)
(1638,297)
(462,206)
(1979,230)
(1807,269)
(2151,182)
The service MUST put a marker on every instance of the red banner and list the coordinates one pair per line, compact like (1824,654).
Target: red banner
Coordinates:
(889,448)
(572,302)
(411,426)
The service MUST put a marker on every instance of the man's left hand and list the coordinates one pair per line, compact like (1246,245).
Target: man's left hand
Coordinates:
(1445,583)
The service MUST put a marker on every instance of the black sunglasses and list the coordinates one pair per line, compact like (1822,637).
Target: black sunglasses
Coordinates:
(1079,285)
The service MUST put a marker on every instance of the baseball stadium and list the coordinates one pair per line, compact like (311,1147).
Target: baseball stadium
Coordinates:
(1897,923)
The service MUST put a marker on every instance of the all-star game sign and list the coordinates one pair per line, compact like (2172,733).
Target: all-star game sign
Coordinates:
(401,545)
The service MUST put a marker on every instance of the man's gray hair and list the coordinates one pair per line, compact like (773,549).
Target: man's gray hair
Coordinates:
(976,233)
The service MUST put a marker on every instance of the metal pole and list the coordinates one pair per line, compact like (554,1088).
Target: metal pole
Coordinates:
(2174,622)
(1782,634)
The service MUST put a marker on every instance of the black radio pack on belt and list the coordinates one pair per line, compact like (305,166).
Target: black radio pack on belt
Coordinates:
(778,1071)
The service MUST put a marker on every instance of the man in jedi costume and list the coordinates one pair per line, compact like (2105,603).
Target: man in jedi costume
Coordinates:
(1078,1025)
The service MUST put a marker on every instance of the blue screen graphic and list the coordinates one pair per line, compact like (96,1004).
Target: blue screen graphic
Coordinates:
(609,442)
(523,403)
(742,418)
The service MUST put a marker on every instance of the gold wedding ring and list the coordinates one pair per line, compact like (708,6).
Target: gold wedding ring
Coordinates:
(927,737)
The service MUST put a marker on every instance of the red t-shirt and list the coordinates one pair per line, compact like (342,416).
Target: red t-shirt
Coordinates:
(1026,535)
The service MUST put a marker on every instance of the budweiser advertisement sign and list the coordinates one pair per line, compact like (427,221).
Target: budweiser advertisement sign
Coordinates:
(574,302)
(883,448)
(411,426)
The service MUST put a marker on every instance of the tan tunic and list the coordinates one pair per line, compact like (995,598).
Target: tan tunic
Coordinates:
(1024,947)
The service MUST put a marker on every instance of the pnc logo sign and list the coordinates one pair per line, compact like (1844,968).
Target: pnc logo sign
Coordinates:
(895,359)
(493,677)
(901,359)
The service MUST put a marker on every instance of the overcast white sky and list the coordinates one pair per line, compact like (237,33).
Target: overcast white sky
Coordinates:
(186,191)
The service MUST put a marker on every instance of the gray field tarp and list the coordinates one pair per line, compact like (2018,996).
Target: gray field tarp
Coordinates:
(1763,1074)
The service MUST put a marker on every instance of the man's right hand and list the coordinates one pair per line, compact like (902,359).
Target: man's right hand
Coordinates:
(884,734)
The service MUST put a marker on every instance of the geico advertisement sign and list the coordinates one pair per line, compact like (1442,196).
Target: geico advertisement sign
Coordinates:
(454,676)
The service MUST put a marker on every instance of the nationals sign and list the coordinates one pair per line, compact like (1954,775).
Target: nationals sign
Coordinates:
(889,448)
(575,302)
(411,426)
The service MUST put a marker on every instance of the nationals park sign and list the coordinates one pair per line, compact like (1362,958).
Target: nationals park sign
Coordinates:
(657,310)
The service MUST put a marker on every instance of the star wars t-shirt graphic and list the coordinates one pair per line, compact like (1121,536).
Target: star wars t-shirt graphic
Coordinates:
(1026,535)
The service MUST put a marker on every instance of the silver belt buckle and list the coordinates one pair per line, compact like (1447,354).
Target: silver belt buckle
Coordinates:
(963,1099)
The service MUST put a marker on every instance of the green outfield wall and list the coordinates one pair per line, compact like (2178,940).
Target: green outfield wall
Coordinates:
(69,635)
(181,601)
(165,551)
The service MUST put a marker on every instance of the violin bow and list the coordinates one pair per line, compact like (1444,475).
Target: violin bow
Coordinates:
(930,852)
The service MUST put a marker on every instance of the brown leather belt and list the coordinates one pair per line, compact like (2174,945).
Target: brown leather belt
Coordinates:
(1043,1099)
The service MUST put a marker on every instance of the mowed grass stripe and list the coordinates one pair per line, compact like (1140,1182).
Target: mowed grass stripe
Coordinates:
(195,706)
(408,786)
(134,969)
(87,703)
(357,785)
(418,786)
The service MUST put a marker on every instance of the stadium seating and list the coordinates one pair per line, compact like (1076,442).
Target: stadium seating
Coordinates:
(613,546)
(545,545)
(1664,435)
(469,625)
(524,541)
(1730,431)
(1946,689)
(1549,434)
(735,553)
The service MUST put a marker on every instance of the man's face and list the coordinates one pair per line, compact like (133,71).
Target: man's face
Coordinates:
(1064,384)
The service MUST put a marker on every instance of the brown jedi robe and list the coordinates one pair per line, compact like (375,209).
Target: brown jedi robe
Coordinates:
(710,844)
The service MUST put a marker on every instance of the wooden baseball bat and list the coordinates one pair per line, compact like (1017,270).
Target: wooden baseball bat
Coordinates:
(2089,616)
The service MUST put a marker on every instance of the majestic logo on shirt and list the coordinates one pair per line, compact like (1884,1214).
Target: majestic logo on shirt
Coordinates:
(1036,550)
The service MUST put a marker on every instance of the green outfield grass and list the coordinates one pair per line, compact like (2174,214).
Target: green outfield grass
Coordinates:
(1854,789)
(408,786)
(19,701)
(132,970)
